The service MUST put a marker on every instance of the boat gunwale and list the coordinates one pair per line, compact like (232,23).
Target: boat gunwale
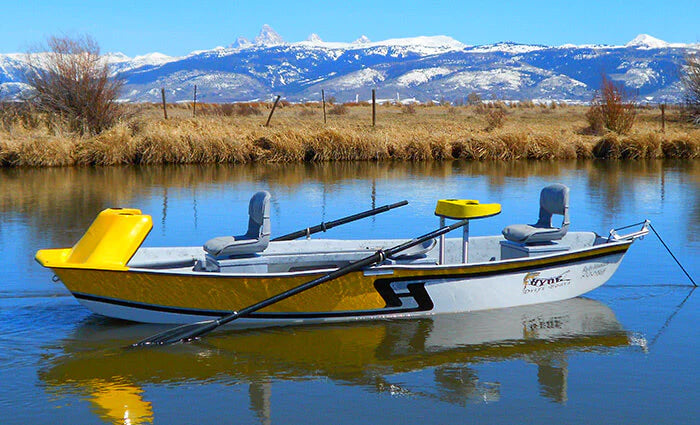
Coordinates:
(500,266)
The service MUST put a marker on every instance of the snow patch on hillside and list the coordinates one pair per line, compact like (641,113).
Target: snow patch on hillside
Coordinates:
(12,89)
(637,77)
(437,42)
(421,76)
(513,48)
(359,78)
(556,82)
(507,78)
(153,59)
(422,45)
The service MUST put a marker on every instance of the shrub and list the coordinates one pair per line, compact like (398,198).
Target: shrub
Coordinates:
(482,108)
(409,109)
(473,98)
(610,110)
(495,118)
(690,77)
(306,112)
(239,109)
(21,113)
(338,110)
(72,81)
(246,109)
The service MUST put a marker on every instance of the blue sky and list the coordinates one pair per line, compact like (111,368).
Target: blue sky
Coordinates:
(176,28)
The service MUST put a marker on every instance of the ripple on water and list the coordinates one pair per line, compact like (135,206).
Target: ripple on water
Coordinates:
(28,324)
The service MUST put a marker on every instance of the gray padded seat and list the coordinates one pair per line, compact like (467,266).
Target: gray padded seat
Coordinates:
(255,239)
(554,199)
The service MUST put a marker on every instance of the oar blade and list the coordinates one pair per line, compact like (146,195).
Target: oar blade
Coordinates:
(182,333)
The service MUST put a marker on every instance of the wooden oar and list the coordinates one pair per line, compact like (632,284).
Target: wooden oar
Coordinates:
(191,331)
(325,226)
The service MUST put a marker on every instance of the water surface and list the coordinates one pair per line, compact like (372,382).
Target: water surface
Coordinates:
(625,353)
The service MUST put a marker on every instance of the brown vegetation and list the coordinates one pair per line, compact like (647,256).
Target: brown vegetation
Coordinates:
(495,118)
(338,110)
(610,110)
(409,109)
(72,83)
(432,133)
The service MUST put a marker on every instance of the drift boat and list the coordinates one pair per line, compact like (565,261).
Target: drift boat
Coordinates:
(322,280)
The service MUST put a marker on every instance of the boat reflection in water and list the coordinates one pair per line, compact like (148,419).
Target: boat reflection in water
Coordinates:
(94,365)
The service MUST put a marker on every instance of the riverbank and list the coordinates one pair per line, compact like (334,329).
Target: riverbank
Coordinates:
(298,134)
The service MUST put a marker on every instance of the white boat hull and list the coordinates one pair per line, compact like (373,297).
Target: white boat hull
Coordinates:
(416,296)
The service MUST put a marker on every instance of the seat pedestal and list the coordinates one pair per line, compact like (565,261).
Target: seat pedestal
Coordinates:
(510,250)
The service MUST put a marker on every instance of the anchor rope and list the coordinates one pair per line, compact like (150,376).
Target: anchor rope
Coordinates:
(674,257)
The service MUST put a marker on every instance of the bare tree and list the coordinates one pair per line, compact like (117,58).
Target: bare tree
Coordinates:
(611,110)
(72,81)
(690,77)
(473,98)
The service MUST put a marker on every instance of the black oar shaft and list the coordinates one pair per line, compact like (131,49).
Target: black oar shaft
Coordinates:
(377,257)
(191,331)
(325,226)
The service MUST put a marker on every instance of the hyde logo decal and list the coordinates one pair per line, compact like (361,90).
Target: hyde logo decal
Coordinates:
(533,282)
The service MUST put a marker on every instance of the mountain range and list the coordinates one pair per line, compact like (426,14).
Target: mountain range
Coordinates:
(406,69)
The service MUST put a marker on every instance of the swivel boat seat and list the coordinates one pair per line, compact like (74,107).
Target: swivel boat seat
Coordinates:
(554,199)
(255,240)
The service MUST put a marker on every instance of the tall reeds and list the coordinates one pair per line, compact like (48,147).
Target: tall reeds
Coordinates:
(431,133)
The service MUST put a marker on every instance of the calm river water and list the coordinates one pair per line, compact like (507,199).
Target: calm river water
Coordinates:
(627,353)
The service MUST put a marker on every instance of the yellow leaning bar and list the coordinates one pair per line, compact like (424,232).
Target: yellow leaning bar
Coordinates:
(108,244)
(460,209)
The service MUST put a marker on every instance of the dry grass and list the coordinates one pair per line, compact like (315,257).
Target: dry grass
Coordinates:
(298,134)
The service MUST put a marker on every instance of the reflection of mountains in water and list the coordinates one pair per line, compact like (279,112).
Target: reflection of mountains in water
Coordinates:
(94,364)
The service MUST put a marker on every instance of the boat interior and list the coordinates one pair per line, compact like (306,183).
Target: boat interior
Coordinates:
(325,254)
(253,252)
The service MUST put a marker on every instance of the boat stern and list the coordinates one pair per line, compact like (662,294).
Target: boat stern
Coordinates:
(108,244)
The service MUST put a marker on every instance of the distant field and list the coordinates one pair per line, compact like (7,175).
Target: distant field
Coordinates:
(235,134)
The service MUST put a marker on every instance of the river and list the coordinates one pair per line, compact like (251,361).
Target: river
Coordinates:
(625,353)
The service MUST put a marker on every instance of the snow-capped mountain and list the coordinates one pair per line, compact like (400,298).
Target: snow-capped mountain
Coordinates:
(268,37)
(424,68)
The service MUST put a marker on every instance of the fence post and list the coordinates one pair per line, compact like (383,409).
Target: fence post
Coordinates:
(374,108)
(162,95)
(267,124)
(663,117)
(323,99)
(194,105)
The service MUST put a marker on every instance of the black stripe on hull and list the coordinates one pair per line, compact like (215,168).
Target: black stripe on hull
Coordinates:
(416,290)
(393,302)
